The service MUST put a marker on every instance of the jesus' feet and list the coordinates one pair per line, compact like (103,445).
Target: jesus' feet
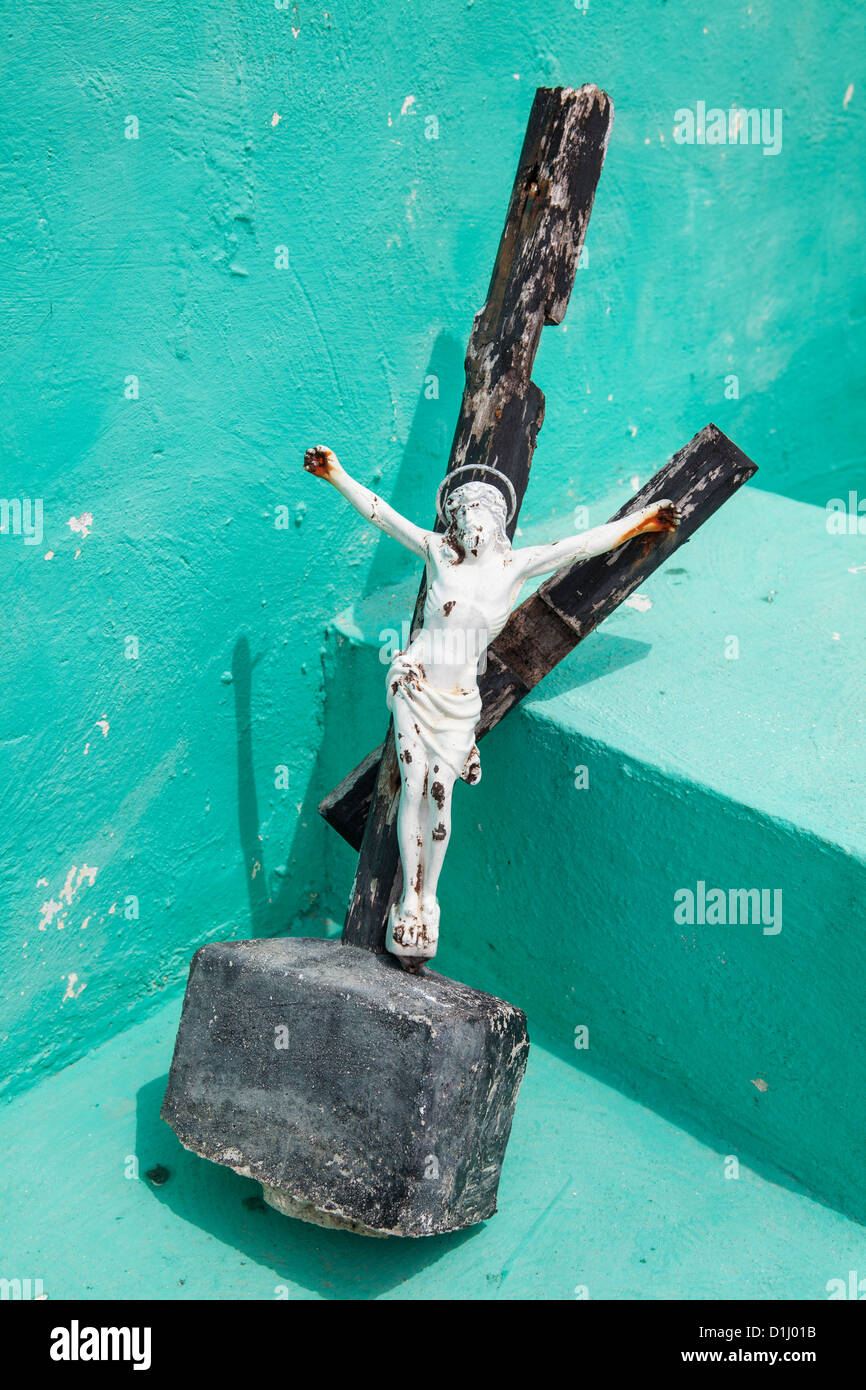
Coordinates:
(412,936)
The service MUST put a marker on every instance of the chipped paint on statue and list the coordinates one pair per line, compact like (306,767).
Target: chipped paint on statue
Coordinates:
(474,577)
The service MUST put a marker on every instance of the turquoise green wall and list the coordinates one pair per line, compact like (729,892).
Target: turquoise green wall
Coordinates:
(155,258)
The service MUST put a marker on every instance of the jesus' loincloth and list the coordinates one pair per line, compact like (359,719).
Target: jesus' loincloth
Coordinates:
(443,721)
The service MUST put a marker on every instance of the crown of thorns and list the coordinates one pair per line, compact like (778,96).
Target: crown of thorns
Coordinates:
(474,468)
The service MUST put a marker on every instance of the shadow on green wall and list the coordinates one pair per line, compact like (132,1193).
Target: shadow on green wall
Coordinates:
(262,911)
(424,460)
(296,889)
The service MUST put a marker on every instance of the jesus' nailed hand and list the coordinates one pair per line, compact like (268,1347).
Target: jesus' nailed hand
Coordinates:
(474,576)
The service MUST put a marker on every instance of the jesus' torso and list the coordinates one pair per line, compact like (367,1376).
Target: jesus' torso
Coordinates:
(469,600)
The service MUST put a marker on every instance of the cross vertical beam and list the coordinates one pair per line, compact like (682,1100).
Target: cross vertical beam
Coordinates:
(502,409)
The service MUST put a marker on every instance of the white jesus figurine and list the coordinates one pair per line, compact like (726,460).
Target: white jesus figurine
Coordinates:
(474,576)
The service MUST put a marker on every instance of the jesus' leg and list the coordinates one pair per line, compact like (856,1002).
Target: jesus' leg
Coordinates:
(405,925)
(411,825)
(438,833)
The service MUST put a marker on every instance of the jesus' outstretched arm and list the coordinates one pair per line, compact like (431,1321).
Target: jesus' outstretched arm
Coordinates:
(325,464)
(542,559)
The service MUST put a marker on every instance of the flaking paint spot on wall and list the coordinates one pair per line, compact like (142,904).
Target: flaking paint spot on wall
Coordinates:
(81,525)
(50,910)
(55,909)
(71,991)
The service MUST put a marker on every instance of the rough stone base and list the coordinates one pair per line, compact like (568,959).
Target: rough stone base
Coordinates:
(378,1100)
(302,1211)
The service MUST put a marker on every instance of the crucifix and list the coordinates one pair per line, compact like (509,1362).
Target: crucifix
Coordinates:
(395,806)
(362,1089)
(472,578)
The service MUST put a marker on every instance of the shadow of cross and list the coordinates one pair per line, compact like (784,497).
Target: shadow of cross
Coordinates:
(500,416)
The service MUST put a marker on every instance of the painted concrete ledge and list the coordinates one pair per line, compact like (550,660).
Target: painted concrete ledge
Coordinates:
(600,1198)
(719,720)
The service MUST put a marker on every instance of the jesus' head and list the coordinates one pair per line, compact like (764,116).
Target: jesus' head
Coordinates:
(477,515)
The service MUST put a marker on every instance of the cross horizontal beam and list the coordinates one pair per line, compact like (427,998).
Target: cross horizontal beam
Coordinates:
(572,603)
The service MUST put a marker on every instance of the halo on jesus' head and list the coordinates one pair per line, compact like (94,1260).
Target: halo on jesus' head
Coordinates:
(477,489)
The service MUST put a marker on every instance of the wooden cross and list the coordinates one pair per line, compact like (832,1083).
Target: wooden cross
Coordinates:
(500,416)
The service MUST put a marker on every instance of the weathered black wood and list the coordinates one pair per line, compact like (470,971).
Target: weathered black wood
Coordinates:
(502,409)
(569,605)
(699,478)
(347,806)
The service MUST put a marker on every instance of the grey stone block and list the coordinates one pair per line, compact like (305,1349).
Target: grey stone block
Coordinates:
(345,1085)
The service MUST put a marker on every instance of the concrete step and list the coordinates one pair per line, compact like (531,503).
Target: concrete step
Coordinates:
(600,1198)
